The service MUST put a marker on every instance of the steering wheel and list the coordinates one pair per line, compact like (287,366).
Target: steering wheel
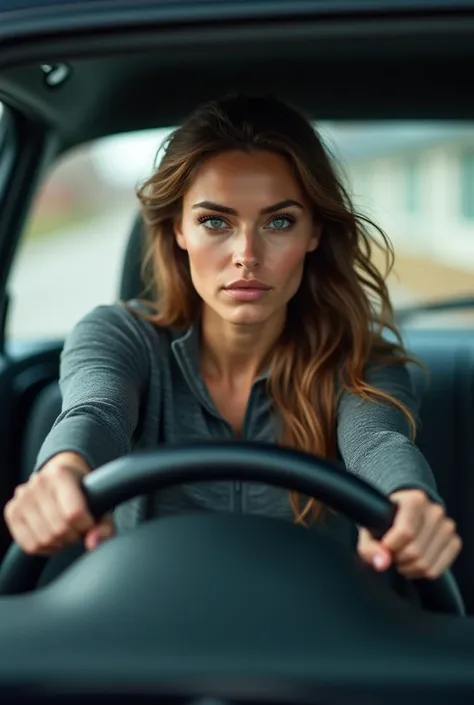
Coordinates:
(149,471)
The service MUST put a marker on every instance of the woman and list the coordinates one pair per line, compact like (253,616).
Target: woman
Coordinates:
(267,326)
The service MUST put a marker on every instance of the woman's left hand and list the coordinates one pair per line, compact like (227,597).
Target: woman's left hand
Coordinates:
(422,543)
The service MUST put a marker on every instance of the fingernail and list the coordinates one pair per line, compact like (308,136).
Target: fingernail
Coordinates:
(378,562)
(92,542)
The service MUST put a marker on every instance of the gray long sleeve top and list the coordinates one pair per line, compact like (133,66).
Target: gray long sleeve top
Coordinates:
(128,385)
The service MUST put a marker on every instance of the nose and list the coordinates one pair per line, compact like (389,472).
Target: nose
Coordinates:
(245,253)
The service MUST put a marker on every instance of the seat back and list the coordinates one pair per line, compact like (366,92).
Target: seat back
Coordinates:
(446,437)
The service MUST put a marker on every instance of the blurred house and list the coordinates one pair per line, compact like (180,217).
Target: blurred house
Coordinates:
(417,181)
(75,188)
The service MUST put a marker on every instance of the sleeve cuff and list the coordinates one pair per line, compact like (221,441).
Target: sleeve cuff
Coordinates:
(434,496)
(74,434)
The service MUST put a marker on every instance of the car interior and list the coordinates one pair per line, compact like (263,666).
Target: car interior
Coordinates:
(115,92)
(151,71)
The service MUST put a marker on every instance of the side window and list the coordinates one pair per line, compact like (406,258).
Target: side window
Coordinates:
(413,186)
(5,141)
(467,184)
(2,125)
(70,256)
(416,180)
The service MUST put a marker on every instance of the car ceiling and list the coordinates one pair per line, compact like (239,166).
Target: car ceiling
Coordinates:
(147,75)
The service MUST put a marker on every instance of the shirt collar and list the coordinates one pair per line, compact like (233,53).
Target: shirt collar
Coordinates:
(186,350)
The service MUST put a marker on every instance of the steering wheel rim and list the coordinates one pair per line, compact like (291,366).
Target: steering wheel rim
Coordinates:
(153,470)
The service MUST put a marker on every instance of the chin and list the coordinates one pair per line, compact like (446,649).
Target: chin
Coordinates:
(246,321)
(247,315)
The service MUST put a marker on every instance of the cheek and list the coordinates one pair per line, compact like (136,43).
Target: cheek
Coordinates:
(206,257)
(287,262)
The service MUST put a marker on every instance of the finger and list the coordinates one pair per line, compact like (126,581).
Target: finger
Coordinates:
(27,517)
(44,499)
(442,562)
(54,536)
(445,558)
(434,535)
(18,528)
(71,502)
(372,551)
(425,566)
(103,531)
(408,523)
(96,536)
(22,534)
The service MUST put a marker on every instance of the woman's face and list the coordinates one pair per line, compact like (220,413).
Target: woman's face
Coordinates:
(247,228)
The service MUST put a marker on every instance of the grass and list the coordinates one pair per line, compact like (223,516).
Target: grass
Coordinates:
(48,225)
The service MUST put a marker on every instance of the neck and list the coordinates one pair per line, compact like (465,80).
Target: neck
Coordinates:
(231,351)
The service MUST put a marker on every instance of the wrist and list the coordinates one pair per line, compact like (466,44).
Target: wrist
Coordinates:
(73,461)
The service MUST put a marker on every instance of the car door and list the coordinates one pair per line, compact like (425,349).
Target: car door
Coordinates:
(68,260)
(24,368)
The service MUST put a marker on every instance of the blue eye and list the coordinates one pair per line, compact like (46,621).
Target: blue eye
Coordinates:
(282,222)
(212,222)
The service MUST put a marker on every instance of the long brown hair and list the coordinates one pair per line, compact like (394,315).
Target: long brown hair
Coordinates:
(336,321)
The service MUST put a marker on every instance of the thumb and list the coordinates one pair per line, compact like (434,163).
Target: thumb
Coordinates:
(102,531)
(373,552)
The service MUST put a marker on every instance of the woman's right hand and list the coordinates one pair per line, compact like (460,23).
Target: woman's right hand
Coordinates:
(49,511)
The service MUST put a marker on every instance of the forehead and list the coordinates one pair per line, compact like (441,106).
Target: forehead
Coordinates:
(232,175)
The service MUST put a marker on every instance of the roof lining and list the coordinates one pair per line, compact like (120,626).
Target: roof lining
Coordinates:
(333,70)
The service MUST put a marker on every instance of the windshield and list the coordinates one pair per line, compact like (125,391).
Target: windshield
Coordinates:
(414,179)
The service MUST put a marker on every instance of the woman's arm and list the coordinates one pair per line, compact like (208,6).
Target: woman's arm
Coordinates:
(104,370)
(374,437)
(375,445)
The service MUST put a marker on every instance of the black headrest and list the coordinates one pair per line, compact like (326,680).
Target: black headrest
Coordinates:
(132,285)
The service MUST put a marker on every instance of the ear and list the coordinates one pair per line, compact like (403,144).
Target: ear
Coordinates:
(315,237)
(178,233)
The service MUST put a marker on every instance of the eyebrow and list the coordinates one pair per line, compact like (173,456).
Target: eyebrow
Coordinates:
(210,206)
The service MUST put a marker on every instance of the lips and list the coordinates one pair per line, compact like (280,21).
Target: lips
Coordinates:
(247,290)
(251,284)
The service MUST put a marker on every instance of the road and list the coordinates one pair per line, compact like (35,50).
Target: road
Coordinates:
(55,281)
